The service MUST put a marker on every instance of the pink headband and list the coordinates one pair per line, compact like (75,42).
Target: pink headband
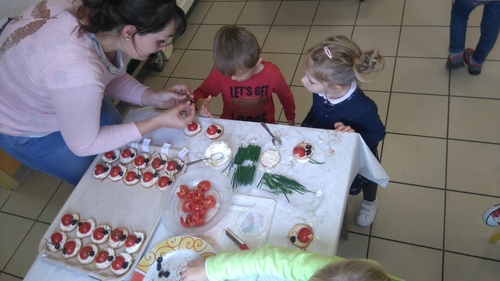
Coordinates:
(327,51)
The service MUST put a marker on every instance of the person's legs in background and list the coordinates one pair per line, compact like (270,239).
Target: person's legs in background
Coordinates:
(490,26)
(460,12)
(50,154)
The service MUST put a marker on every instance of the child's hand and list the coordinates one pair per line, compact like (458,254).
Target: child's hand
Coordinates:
(341,127)
(202,105)
(194,271)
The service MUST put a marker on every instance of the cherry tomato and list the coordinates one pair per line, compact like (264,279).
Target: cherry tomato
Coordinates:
(130,241)
(116,234)
(139,160)
(69,247)
(110,154)
(183,191)
(117,264)
(98,233)
(299,151)
(115,171)
(56,238)
(157,162)
(209,202)
(147,176)
(84,227)
(126,153)
(164,181)
(183,222)
(85,252)
(171,166)
(187,206)
(102,256)
(192,126)
(131,176)
(304,235)
(67,219)
(212,130)
(99,169)
(204,186)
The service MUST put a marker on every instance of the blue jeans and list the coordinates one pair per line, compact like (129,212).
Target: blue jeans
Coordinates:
(51,155)
(490,26)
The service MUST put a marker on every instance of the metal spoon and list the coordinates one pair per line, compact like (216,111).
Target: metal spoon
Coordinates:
(276,139)
(213,157)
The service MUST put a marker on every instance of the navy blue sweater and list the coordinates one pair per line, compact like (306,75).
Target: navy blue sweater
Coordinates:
(358,111)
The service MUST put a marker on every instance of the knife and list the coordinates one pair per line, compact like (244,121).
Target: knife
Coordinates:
(236,240)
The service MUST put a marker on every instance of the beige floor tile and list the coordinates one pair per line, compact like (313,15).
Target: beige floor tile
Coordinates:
(382,101)
(484,85)
(375,12)
(56,202)
(425,115)
(183,41)
(299,73)
(381,81)
(303,102)
(280,37)
(204,37)
(460,267)
(405,261)
(6,277)
(408,201)
(353,207)
(259,12)
(423,41)
(4,195)
(296,13)
(384,38)
(32,194)
(28,250)
(286,62)
(465,232)
(319,33)
(149,69)
(198,12)
(341,12)
(427,12)
(419,75)
(473,167)
(474,119)
(12,236)
(194,64)
(224,13)
(156,83)
(355,247)
(415,160)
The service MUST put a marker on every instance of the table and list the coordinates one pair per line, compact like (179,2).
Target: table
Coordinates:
(344,155)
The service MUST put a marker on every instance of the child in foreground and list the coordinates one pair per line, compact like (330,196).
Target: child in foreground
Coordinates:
(284,263)
(333,69)
(245,80)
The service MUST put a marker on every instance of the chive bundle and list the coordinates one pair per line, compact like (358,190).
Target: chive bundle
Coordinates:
(281,184)
(244,174)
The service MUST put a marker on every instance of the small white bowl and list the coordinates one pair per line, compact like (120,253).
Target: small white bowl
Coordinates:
(218,147)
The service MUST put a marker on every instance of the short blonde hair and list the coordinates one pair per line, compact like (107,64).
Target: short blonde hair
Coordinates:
(235,48)
(351,270)
(338,60)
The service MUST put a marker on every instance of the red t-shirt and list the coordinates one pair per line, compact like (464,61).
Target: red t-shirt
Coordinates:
(250,100)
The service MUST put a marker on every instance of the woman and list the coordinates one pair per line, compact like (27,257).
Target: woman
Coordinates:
(57,61)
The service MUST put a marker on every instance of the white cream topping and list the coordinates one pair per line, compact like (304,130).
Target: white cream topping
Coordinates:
(218,147)
(119,243)
(270,158)
(91,256)
(111,160)
(128,259)
(119,177)
(71,226)
(152,182)
(92,226)
(52,247)
(126,160)
(192,133)
(136,246)
(146,161)
(104,238)
(217,134)
(78,245)
(105,264)
(103,175)
(161,157)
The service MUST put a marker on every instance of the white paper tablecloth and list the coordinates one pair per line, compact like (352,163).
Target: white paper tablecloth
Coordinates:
(344,154)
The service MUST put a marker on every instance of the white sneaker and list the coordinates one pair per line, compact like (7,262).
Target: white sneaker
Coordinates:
(367,213)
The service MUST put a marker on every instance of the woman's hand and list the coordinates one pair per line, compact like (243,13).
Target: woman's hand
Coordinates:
(341,127)
(167,98)
(202,105)
(171,118)
(194,271)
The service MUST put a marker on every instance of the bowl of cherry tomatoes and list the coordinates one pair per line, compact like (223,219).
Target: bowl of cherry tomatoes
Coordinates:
(196,202)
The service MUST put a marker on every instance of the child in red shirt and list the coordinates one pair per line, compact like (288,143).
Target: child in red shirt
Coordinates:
(245,80)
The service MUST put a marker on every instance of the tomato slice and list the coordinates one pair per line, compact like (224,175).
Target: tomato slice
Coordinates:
(183,192)
(200,221)
(187,206)
(209,202)
(183,222)
(204,186)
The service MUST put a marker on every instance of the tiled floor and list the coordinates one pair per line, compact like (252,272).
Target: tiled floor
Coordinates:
(442,150)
